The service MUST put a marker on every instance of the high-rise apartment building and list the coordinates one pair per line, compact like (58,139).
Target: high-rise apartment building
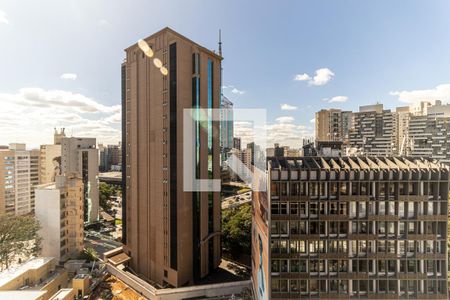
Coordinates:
(279,151)
(50,158)
(34,174)
(374,131)
(416,130)
(171,235)
(237,143)
(80,156)
(245,156)
(328,125)
(110,157)
(351,227)
(347,125)
(429,134)
(50,163)
(19,174)
(59,209)
(226,124)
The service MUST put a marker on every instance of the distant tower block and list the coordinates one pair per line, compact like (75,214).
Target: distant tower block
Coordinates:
(58,136)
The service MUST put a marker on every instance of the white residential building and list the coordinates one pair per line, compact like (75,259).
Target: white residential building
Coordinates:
(59,209)
(19,174)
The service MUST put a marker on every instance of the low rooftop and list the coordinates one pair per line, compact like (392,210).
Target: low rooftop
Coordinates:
(21,295)
(33,264)
(62,294)
(81,276)
(46,186)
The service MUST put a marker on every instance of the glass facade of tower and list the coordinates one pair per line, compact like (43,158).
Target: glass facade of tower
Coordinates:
(210,162)
(196,195)
(226,124)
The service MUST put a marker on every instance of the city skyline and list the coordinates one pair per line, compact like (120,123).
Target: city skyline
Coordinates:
(136,156)
(339,56)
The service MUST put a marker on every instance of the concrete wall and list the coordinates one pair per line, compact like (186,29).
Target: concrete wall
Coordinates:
(48,165)
(48,212)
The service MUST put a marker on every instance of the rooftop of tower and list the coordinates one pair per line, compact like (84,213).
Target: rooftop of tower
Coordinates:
(170,30)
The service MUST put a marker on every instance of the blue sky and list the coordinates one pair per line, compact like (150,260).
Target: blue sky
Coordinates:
(373,49)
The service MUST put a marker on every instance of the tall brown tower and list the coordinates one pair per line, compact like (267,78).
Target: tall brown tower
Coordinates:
(172,236)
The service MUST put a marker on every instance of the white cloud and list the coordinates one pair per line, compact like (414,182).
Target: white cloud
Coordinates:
(30,115)
(115,118)
(3,18)
(440,92)
(69,76)
(283,131)
(286,134)
(37,97)
(233,89)
(236,91)
(336,99)
(302,77)
(285,119)
(288,107)
(322,76)
(243,123)
(312,121)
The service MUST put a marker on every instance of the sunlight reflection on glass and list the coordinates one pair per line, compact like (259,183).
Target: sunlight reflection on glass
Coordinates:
(157,63)
(145,48)
(164,71)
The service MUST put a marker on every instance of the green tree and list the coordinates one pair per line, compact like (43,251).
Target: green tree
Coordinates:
(237,230)
(89,254)
(105,193)
(19,238)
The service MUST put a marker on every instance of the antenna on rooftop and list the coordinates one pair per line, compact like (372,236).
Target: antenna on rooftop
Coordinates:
(221,69)
(220,42)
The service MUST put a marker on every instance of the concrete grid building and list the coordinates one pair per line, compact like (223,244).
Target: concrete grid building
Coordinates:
(171,235)
(19,174)
(59,209)
(374,131)
(351,227)
(429,134)
(418,129)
